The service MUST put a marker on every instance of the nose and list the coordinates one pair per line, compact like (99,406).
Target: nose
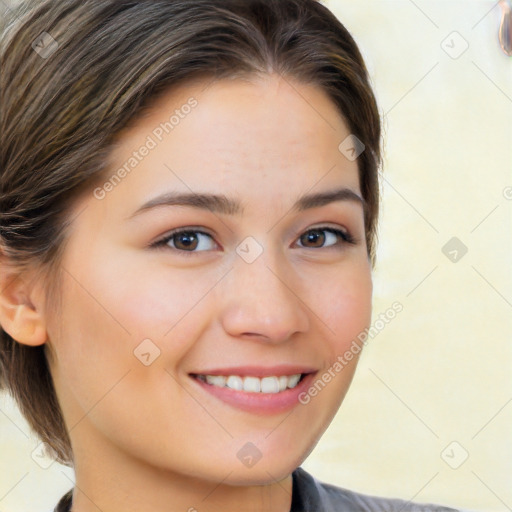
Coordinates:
(262,301)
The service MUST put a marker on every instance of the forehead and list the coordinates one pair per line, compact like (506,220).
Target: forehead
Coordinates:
(267,135)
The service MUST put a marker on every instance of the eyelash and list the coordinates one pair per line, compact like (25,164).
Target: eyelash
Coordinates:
(346,238)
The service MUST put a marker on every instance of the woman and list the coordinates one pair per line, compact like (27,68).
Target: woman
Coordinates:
(189,201)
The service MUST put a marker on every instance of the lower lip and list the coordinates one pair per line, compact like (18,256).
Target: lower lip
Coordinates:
(259,403)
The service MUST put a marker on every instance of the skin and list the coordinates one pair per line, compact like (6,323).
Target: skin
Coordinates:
(147,437)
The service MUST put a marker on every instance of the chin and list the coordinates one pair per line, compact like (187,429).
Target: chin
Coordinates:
(262,476)
(267,470)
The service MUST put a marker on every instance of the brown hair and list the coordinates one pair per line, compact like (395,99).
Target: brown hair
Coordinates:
(101,63)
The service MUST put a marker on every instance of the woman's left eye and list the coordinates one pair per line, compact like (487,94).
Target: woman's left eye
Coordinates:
(190,241)
(315,235)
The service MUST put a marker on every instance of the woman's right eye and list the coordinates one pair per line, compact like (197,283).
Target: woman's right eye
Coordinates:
(185,241)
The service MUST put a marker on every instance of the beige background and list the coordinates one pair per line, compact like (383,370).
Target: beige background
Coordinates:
(434,385)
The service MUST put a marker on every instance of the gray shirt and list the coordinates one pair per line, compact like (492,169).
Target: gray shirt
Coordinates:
(310,495)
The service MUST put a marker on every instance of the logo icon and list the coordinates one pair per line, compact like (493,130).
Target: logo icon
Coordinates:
(249,249)
(454,455)
(454,45)
(351,147)
(45,45)
(454,249)
(146,352)
(249,455)
(40,457)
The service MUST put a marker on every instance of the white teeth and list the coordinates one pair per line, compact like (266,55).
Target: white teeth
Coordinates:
(253,384)
(216,380)
(235,382)
(293,380)
(270,385)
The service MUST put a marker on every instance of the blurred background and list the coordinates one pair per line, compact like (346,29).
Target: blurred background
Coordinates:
(429,414)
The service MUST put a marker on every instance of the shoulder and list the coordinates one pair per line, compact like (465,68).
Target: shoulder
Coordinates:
(311,495)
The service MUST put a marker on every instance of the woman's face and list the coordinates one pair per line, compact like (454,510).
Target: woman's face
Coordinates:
(261,286)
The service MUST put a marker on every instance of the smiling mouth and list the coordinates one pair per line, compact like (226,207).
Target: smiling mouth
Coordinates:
(251,384)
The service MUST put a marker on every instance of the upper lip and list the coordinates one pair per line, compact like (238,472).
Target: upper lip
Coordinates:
(258,371)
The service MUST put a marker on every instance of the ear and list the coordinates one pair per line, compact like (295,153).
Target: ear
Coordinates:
(20,314)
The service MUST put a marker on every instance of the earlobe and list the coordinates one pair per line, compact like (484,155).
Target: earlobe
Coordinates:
(18,316)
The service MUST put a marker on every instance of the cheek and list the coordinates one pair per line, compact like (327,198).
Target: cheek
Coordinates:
(139,298)
(168,306)
(345,306)
(97,347)
(92,344)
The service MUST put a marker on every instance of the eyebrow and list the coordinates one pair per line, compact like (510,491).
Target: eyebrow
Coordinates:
(219,203)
